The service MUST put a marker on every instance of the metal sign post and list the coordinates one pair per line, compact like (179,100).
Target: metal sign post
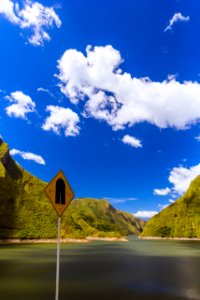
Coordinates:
(58,261)
(60,194)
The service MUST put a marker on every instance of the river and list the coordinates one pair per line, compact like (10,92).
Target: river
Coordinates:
(138,269)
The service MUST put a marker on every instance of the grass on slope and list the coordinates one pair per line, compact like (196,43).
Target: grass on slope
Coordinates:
(180,219)
(27,213)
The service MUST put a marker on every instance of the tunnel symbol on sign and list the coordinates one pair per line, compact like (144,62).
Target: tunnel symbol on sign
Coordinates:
(60,192)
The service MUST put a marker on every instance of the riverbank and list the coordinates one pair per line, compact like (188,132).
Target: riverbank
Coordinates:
(66,240)
(114,239)
(89,239)
(168,238)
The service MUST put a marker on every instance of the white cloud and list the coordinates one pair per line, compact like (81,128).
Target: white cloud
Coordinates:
(40,89)
(181,178)
(62,118)
(22,105)
(197,138)
(171,201)
(120,200)
(163,206)
(171,77)
(132,141)
(8,9)
(145,214)
(33,16)
(122,100)
(162,192)
(28,156)
(177,17)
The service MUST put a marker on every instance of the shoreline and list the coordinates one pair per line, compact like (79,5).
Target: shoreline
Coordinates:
(63,241)
(168,238)
(90,239)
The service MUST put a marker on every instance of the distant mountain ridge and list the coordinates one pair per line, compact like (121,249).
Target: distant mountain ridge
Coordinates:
(25,212)
(180,219)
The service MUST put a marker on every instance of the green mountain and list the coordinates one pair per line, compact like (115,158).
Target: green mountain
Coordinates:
(180,219)
(25,212)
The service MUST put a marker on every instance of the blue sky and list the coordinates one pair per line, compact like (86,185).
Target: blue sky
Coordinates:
(107,91)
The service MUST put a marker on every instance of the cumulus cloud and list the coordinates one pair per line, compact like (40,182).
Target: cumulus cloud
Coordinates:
(21,105)
(181,178)
(177,17)
(28,156)
(161,192)
(8,8)
(122,100)
(62,118)
(132,141)
(33,16)
(145,214)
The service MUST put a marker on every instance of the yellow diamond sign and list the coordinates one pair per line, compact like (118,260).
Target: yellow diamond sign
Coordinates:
(59,193)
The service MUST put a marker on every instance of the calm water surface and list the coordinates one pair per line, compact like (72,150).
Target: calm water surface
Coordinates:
(138,270)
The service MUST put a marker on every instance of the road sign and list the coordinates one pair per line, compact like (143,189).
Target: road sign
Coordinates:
(59,193)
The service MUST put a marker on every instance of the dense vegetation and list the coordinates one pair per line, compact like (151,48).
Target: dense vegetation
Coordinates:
(25,212)
(180,219)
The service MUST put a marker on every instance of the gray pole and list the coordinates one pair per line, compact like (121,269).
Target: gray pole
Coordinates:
(58,261)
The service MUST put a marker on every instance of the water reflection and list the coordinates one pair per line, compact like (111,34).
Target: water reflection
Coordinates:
(140,270)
